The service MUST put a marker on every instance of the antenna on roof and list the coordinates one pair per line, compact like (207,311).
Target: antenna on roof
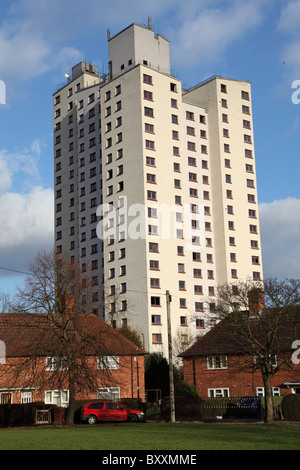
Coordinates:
(108,34)
(149,22)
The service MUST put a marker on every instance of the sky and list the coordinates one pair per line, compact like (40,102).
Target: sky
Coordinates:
(40,41)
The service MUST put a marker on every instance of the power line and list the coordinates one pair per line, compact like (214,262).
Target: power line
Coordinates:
(15,271)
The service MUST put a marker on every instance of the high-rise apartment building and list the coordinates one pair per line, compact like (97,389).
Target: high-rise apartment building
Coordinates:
(155,187)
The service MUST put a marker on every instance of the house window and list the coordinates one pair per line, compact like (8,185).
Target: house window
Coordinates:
(55,363)
(147,79)
(156,338)
(153,247)
(155,301)
(217,362)
(151,195)
(150,145)
(218,392)
(199,323)
(57,397)
(148,95)
(6,398)
(154,283)
(190,116)
(183,321)
(26,397)
(108,362)
(150,161)
(260,391)
(154,265)
(151,178)
(109,393)
(199,306)
(156,319)
(148,112)
(245,95)
(191,146)
(149,128)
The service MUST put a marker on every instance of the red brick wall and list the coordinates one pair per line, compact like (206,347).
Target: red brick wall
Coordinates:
(239,383)
(126,377)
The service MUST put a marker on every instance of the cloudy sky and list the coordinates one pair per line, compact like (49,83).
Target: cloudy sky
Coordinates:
(257,40)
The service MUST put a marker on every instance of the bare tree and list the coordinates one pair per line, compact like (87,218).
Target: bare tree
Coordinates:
(5,301)
(262,321)
(64,296)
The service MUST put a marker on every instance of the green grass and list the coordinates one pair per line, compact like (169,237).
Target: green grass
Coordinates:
(154,436)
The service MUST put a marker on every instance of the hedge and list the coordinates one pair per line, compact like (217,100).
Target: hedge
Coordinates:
(290,407)
(21,414)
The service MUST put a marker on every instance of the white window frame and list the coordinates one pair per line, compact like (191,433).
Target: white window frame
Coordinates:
(260,391)
(26,397)
(53,364)
(212,362)
(108,362)
(61,395)
(109,393)
(218,392)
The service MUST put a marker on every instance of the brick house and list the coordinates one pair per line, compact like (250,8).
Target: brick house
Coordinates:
(30,370)
(217,365)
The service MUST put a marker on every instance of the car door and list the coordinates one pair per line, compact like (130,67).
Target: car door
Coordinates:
(97,409)
(116,412)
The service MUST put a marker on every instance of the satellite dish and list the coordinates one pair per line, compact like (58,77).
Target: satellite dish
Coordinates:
(67,75)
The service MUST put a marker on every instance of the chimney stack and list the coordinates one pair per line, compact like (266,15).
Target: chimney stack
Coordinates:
(256,301)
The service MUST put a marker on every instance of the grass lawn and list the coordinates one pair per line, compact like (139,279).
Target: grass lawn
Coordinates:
(154,436)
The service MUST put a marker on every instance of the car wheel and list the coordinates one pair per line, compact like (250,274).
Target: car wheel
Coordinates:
(92,419)
(133,418)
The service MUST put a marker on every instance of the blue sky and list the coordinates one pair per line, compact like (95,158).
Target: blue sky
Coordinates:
(257,40)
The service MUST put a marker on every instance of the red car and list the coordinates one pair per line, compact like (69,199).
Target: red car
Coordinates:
(96,411)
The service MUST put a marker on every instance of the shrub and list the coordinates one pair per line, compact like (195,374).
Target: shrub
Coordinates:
(183,389)
(19,415)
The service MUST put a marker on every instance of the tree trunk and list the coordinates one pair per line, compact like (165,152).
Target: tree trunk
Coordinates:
(71,408)
(268,399)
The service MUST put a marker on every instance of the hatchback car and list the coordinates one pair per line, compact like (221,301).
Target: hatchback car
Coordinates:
(96,411)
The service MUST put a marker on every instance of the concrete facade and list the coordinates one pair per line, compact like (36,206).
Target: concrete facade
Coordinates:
(175,171)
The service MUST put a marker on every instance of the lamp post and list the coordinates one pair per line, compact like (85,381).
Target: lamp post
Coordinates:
(171,372)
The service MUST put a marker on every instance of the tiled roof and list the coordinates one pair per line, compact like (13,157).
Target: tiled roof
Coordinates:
(224,338)
(25,334)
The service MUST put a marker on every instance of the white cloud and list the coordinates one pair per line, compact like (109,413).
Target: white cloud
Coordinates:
(280,232)
(22,163)
(38,34)
(206,33)
(26,209)
(290,18)
(26,226)
(288,24)
(30,45)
